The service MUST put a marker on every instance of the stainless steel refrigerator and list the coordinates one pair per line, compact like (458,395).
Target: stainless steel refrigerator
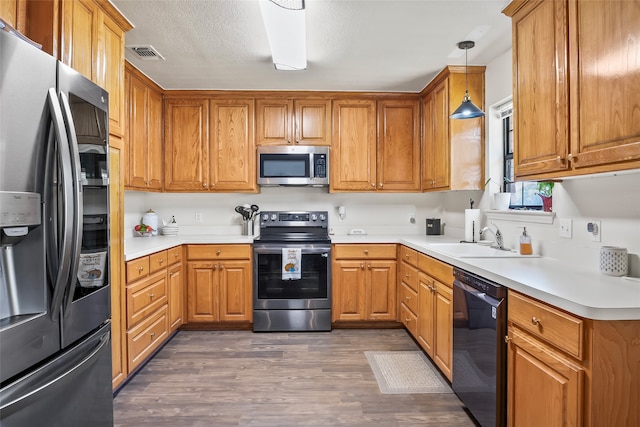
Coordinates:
(55,347)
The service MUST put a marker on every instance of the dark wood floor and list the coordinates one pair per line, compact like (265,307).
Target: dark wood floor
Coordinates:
(241,378)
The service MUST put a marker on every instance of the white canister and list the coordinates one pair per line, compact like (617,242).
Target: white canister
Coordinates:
(614,261)
(151,218)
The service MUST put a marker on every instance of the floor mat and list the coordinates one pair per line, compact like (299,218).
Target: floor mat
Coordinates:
(405,372)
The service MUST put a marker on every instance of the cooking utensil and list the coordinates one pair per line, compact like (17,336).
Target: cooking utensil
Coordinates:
(254,210)
(242,211)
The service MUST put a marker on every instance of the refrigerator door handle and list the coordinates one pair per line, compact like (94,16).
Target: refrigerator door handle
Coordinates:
(77,200)
(60,270)
(41,380)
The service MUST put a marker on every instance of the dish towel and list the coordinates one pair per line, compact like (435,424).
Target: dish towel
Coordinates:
(291,263)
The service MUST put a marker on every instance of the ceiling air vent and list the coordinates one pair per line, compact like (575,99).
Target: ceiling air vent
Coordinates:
(147,53)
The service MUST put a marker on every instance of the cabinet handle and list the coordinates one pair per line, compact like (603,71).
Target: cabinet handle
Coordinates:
(361,266)
(535,321)
(151,295)
(140,269)
(507,339)
(407,297)
(407,320)
(152,334)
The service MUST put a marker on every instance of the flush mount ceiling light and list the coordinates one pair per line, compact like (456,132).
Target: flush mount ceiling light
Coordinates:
(284,21)
(466,110)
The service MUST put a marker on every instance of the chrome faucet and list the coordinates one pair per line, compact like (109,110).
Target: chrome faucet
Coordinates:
(498,237)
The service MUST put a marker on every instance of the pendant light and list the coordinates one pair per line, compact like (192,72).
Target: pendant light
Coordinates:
(466,110)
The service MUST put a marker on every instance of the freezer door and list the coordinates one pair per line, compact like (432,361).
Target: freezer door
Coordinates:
(74,389)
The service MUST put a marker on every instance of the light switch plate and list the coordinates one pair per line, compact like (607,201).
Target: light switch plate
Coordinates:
(566,228)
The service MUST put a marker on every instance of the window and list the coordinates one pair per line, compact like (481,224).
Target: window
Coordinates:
(524,193)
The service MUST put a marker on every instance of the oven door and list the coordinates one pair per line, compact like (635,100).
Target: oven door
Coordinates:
(311,291)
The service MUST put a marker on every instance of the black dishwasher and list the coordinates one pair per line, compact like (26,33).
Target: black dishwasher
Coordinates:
(479,350)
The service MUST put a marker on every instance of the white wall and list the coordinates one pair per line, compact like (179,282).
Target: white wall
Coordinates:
(614,200)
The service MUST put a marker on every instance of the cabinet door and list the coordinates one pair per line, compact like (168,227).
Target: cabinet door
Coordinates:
(154,137)
(544,388)
(9,13)
(353,161)
(111,71)
(426,313)
(398,145)
(541,88)
(443,324)
(202,292)
(235,291)
(381,290)
(428,141)
(80,37)
(232,155)
(186,154)
(439,150)
(274,122)
(312,121)
(605,83)
(137,133)
(348,290)
(175,282)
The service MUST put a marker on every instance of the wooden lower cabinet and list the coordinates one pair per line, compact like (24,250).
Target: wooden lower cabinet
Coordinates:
(176,288)
(364,282)
(219,283)
(564,370)
(145,337)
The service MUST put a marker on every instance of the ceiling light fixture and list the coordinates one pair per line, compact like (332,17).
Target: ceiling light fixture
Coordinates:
(466,110)
(284,21)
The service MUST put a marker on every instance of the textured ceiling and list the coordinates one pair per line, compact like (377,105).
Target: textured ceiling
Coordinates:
(352,45)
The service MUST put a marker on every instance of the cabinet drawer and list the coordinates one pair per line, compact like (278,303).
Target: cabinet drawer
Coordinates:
(409,319)
(157,261)
(436,269)
(409,297)
(137,269)
(409,255)
(218,252)
(409,276)
(146,337)
(364,251)
(174,255)
(146,296)
(561,329)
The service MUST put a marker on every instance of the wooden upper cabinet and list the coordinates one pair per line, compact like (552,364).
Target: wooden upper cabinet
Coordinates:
(541,89)
(144,131)
(79,40)
(353,153)
(232,150)
(398,167)
(453,150)
(111,75)
(186,144)
(283,121)
(576,87)
(13,13)
(605,86)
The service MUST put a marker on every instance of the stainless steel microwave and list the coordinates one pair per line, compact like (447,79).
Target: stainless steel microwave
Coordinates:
(293,165)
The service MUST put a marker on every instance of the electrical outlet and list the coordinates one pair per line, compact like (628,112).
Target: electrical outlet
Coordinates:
(412,218)
(594,229)
(198,217)
(566,227)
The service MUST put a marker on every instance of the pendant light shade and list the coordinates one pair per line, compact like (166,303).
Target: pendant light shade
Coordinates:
(466,110)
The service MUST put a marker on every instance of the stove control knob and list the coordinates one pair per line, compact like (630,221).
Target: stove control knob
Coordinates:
(274,217)
(323,217)
(314,217)
(265,217)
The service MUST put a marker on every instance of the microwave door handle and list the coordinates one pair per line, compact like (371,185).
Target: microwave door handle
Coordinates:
(59,153)
(77,201)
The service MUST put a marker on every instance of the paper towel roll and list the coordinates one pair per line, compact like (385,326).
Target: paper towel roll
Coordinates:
(472,225)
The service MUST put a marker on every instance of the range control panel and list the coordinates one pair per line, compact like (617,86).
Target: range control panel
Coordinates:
(293,219)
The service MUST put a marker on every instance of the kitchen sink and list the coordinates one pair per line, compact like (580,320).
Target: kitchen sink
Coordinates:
(474,250)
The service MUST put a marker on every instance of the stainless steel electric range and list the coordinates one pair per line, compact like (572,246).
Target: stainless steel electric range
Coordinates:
(292,272)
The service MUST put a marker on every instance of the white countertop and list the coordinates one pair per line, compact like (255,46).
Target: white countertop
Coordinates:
(588,294)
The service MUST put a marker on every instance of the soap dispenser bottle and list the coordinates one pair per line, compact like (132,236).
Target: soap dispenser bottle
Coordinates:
(525,243)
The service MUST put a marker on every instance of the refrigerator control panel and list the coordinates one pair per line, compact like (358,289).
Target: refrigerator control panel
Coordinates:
(19,209)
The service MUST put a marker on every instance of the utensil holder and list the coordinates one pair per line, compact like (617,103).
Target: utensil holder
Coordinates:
(247,227)
(614,261)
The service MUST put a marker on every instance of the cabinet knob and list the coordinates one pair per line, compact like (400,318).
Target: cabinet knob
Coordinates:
(535,321)
(361,266)
(205,185)
(507,339)
(151,295)
(407,320)
(560,159)
(366,252)
(218,252)
(140,269)
(152,334)
(215,266)
(380,185)
(407,297)
(433,182)
(572,158)
(161,261)
(373,184)
(369,266)
(175,255)
(171,274)
(221,267)
(407,275)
